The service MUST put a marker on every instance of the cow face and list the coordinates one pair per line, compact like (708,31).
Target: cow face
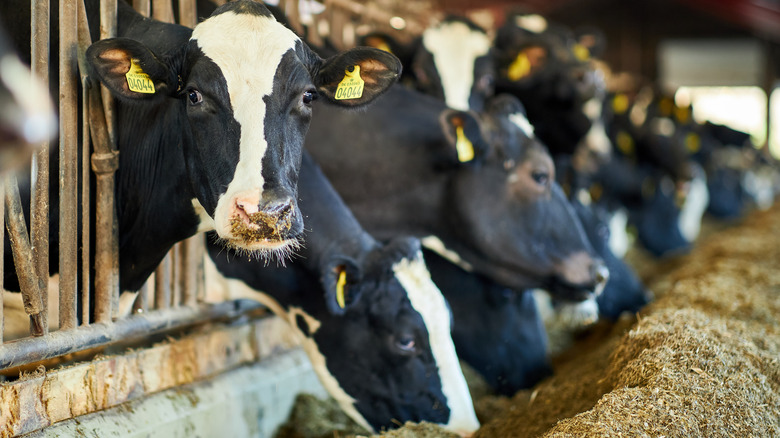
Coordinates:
(243,86)
(27,115)
(455,65)
(496,330)
(391,352)
(517,217)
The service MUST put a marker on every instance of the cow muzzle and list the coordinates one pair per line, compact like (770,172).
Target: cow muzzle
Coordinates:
(264,224)
(579,277)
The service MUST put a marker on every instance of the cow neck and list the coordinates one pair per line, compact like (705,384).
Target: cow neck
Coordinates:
(153,195)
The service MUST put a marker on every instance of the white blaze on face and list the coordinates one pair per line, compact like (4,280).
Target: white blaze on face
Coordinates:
(619,240)
(694,207)
(435,244)
(521,121)
(596,139)
(455,47)
(248,50)
(428,301)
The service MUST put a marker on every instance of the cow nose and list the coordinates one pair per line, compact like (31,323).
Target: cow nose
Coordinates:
(266,216)
(600,274)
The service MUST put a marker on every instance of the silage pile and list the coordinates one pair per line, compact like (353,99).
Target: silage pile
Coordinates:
(703,360)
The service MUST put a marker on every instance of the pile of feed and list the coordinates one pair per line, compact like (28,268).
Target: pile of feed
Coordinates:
(702,360)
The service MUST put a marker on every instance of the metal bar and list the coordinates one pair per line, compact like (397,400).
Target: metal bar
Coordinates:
(104,162)
(162,283)
(68,175)
(32,286)
(162,10)
(85,210)
(59,343)
(143,7)
(188,13)
(294,15)
(192,262)
(412,26)
(39,203)
(176,275)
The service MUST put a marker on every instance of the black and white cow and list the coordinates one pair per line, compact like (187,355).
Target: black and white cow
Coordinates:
(453,62)
(211,137)
(374,325)
(428,171)
(27,115)
(497,331)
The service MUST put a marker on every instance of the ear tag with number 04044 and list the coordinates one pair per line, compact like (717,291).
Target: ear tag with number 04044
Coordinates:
(520,68)
(137,80)
(342,281)
(351,87)
(463,146)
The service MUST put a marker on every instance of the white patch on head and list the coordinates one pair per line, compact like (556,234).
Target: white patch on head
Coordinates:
(596,140)
(561,320)
(619,241)
(759,184)
(436,245)
(694,207)
(206,222)
(455,47)
(521,121)
(532,22)
(428,301)
(235,289)
(248,49)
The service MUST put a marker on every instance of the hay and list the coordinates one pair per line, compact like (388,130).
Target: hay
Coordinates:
(703,360)
(312,417)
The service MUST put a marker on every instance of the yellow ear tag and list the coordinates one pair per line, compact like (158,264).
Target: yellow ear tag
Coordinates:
(351,87)
(692,142)
(625,143)
(620,103)
(520,68)
(342,281)
(137,80)
(581,52)
(463,146)
(682,113)
(383,46)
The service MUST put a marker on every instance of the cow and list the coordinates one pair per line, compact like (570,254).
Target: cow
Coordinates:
(453,62)
(490,201)
(497,331)
(376,328)
(27,115)
(210,138)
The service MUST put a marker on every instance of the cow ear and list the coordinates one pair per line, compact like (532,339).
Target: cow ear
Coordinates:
(357,76)
(340,280)
(129,69)
(464,136)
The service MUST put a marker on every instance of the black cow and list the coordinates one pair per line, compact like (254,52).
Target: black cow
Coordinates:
(27,116)
(495,205)
(211,138)
(379,335)
(496,330)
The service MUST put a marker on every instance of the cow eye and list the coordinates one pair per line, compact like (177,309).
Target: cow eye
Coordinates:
(195,97)
(541,178)
(309,96)
(406,343)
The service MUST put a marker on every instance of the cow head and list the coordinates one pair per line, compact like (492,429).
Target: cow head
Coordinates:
(244,85)
(27,115)
(512,220)
(454,64)
(496,330)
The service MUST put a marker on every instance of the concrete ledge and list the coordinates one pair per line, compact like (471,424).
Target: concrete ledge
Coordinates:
(250,401)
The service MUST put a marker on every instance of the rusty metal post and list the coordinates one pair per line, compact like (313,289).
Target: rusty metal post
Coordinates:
(85,210)
(33,288)
(105,161)
(68,175)
(191,265)
(294,16)
(188,13)
(162,283)
(2,258)
(162,10)
(39,203)
(176,274)
(143,7)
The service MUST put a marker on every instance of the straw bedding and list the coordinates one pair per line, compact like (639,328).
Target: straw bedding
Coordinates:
(702,360)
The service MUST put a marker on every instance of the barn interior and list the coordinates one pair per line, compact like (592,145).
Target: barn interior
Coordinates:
(699,360)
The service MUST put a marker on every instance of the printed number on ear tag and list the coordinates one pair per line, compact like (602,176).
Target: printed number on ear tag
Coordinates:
(463,146)
(342,281)
(137,80)
(520,68)
(351,87)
